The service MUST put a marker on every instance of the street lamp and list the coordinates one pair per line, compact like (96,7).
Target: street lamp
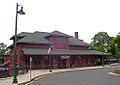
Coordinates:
(15,44)
(50,57)
(49,52)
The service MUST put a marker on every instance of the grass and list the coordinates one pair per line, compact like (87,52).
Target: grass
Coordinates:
(116,71)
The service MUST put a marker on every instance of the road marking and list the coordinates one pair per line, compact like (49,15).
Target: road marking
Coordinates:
(29,83)
(34,80)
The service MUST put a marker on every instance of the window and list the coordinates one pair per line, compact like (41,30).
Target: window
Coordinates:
(86,59)
(46,62)
(27,62)
(60,39)
(39,62)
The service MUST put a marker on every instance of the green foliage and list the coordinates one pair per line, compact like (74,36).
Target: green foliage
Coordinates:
(112,46)
(117,41)
(102,40)
(3,49)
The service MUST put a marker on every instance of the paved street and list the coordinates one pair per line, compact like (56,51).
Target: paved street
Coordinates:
(87,77)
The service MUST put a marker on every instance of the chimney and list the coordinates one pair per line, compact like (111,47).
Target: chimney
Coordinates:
(76,34)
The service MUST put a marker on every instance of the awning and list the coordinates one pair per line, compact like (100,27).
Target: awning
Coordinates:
(39,51)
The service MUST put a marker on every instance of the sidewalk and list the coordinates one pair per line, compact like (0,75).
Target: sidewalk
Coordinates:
(36,73)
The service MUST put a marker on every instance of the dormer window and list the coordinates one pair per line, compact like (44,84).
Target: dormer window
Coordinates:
(60,39)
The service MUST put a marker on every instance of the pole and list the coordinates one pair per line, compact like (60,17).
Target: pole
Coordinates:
(50,63)
(15,55)
(103,62)
(103,59)
(109,60)
(30,66)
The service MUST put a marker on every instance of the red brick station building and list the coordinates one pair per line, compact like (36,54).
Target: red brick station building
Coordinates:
(67,51)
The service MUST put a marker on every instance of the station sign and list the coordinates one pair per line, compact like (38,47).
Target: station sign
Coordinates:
(65,57)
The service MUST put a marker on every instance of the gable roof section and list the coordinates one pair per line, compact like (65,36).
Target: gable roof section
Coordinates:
(57,33)
(76,41)
(22,34)
(36,37)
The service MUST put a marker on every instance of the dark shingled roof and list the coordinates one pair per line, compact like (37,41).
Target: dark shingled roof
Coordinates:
(76,41)
(36,37)
(22,34)
(41,37)
(57,33)
(39,51)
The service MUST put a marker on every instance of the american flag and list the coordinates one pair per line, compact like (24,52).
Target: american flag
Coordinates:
(49,50)
(106,50)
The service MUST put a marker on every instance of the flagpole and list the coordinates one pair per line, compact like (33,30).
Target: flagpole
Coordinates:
(50,63)
(49,51)
(103,58)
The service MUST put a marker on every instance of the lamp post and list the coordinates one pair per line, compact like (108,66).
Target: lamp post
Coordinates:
(49,51)
(50,63)
(103,60)
(30,66)
(15,44)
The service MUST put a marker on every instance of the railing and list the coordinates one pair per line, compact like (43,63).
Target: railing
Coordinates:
(6,72)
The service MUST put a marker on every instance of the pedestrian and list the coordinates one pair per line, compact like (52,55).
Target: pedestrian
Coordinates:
(95,63)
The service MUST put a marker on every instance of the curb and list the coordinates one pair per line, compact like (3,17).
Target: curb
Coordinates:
(24,83)
(62,71)
(113,74)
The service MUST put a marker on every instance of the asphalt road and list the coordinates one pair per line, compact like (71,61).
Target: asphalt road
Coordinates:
(87,77)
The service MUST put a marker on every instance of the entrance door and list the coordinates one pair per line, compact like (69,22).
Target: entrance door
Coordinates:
(64,63)
(59,63)
(80,62)
(27,63)
(37,62)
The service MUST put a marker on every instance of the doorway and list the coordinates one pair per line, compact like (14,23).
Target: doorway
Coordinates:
(59,63)
(64,63)
(37,62)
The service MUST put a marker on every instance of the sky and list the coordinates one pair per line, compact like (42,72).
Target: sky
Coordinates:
(87,17)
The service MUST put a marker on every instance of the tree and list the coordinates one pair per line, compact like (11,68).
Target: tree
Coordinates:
(117,41)
(100,41)
(112,46)
(3,49)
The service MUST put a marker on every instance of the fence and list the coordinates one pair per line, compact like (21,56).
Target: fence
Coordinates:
(7,72)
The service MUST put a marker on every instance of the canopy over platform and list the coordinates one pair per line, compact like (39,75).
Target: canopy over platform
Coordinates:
(38,51)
